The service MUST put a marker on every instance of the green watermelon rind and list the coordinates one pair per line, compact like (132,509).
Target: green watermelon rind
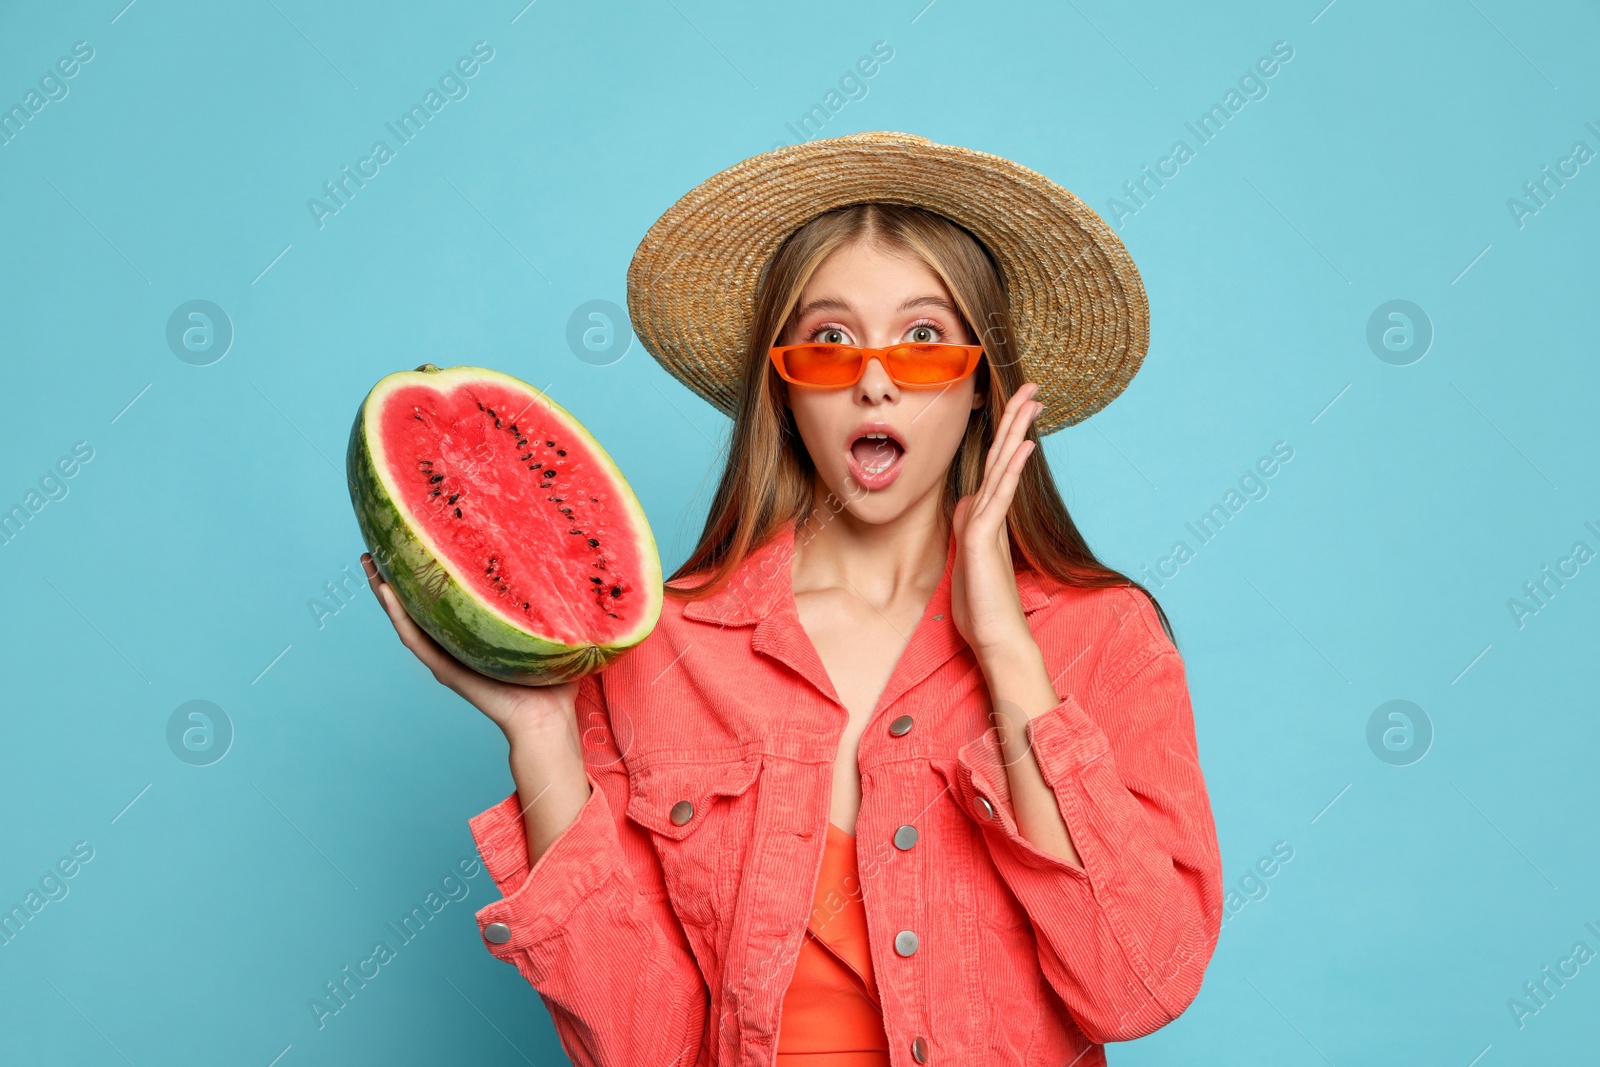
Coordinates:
(435,595)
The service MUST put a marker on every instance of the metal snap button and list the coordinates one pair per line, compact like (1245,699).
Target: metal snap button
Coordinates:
(985,808)
(905,837)
(682,812)
(901,726)
(497,933)
(905,942)
(919,1049)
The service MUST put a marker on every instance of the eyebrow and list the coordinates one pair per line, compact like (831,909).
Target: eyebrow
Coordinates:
(828,303)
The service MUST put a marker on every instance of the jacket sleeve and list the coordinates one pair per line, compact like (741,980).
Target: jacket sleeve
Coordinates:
(590,924)
(1125,938)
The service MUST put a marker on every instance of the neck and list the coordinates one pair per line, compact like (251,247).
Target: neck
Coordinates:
(880,561)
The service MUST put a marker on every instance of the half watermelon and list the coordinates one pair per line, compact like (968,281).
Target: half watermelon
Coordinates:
(503,527)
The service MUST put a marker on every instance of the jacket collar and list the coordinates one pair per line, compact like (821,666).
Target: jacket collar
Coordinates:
(762,584)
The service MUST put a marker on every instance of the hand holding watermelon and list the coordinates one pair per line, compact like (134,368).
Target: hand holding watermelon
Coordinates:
(540,723)
(519,710)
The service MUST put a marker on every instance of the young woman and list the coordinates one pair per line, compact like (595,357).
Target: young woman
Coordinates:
(903,774)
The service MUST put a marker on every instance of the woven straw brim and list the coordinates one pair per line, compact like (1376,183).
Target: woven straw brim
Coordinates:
(1081,319)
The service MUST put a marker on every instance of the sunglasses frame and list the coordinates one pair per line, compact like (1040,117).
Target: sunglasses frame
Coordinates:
(973,354)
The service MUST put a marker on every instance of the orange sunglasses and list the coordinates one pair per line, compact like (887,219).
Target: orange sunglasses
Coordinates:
(911,364)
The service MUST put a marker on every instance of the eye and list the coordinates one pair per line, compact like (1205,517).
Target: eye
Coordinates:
(829,335)
(926,332)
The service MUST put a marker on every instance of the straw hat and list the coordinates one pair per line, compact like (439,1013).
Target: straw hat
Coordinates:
(1081,319)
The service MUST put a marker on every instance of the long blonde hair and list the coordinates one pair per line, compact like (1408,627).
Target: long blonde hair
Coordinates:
(769,476)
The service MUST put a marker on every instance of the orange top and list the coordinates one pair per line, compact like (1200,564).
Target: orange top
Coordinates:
(831,1015)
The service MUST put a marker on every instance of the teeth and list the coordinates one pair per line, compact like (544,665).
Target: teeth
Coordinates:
(877,436)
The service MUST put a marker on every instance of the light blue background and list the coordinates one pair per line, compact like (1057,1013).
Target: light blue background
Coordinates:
(179,566)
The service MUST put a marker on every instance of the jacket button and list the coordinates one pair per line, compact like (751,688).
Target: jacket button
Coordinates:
(497,933)
(682,812)
(905,942)
(919,1050)
(985,808)
(905,837)
(901,726)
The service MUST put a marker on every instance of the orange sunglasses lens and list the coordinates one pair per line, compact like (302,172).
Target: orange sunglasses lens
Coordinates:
(927,364)
(908,364)
(822,364)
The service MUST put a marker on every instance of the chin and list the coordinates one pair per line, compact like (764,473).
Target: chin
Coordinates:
(878,507)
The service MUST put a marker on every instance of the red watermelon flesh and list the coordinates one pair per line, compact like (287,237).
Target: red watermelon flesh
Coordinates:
(520,515)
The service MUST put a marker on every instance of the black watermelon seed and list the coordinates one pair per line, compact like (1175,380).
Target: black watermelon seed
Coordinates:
(515,430)
(596,581)
(595,499)
(524,605)
(550,444)
(593,543)
(433,492)
(526,458)
(536,466)
(490,410)
(574,531)
(436,479)
(616,590)
(479,403)
(497,424)
(550,472)
(452,499)
(561,451)
(458,513)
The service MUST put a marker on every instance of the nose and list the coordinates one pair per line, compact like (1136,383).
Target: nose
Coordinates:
(875,383)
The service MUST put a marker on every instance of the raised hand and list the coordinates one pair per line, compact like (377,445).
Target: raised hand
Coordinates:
(984,603)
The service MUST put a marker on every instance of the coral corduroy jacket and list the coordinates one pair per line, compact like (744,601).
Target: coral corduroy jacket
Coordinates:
(662,926)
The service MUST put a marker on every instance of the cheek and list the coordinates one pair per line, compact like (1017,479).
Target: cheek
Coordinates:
(820,425)
(941,421)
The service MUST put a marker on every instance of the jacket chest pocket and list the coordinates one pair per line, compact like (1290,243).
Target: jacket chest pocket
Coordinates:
(699,819)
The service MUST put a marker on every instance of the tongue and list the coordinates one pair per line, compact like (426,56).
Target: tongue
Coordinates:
(872,452)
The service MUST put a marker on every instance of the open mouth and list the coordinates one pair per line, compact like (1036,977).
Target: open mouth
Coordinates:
(875,459)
